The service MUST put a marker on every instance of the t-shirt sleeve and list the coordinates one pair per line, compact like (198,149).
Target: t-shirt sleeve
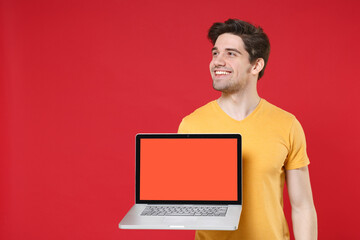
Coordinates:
(297,156)
(182,127)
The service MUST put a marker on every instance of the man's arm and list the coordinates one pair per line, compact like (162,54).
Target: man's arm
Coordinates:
(303,211)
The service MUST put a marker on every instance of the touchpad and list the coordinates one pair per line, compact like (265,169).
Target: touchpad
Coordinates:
(175,220)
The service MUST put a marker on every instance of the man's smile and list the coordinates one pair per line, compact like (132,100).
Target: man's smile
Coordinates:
(219,73)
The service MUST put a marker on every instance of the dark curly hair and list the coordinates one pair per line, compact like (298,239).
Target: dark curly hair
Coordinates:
(255,40)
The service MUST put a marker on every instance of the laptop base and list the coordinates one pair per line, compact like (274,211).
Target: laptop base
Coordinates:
(133,220)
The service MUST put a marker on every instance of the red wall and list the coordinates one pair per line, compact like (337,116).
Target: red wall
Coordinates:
(80,78)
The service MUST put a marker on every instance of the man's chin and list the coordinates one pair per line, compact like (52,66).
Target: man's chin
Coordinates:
(219,87)
(224,89)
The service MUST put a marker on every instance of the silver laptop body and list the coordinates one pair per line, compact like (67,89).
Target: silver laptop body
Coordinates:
(187,181)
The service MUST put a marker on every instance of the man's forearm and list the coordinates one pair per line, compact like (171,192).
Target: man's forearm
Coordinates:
(304,223)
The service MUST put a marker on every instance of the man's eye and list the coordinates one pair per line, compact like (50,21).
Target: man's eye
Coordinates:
(214,53)
(231,54)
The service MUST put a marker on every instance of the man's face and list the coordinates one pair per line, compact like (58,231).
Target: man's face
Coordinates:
(230,65)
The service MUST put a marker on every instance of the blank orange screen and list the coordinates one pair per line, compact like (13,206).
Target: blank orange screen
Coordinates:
(188,169)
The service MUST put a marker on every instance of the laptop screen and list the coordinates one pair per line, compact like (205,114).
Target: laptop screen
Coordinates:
(189,167)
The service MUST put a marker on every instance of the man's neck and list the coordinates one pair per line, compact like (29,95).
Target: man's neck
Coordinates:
(239,105)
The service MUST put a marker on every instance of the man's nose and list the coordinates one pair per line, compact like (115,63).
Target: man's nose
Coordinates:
(219,60)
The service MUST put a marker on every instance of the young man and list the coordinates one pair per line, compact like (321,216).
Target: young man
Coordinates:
(274,147)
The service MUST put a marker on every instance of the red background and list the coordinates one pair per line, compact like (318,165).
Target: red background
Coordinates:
(80,78)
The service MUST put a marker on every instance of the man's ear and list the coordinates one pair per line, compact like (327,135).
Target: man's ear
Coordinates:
(258,66)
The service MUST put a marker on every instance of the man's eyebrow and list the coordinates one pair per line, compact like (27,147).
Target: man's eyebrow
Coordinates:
(227,49)
(233,49)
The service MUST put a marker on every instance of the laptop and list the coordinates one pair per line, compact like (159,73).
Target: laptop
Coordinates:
(187,181)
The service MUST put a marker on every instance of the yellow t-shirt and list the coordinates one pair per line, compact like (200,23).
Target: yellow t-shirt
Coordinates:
(272,141)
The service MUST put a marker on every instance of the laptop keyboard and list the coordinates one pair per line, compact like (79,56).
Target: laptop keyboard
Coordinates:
(184,211)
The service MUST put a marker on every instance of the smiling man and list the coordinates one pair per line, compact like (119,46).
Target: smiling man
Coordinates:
(274,146)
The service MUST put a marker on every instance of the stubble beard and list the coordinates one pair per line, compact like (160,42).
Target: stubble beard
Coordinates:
(232,85)
(228,88)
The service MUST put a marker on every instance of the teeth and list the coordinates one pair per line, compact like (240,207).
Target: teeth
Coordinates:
(221,72)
